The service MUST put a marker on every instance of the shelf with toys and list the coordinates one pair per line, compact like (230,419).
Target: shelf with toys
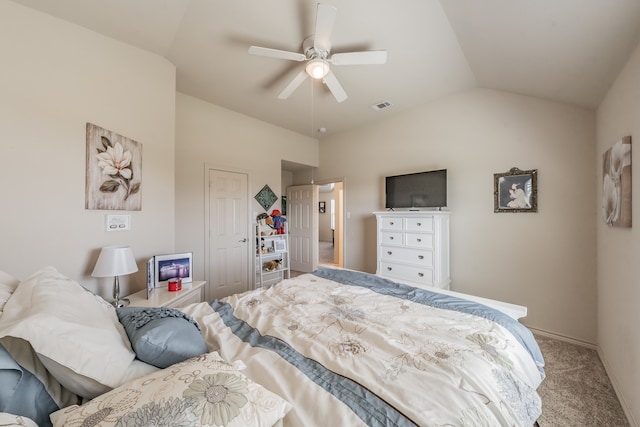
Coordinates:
(272,249)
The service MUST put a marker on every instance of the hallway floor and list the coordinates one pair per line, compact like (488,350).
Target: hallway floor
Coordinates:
(325,253)
(325,257)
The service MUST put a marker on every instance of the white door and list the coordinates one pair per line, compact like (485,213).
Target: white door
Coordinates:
(302,220)
(228,243)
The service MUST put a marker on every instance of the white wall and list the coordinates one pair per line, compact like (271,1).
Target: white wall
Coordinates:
(55,77)
(209,134)
(618,248)
(543,260)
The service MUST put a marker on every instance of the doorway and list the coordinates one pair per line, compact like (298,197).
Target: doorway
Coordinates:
(330,224)
(300,174)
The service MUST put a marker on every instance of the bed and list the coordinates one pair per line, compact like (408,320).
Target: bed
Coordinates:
(333,347)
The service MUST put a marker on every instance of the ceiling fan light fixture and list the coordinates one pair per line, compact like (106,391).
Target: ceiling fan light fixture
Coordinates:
(317,68)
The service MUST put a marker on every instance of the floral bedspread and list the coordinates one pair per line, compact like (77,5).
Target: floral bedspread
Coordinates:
(351,355)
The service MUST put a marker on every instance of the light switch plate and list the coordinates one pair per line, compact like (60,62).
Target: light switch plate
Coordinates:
(118,222)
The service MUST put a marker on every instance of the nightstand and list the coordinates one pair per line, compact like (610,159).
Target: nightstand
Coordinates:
(191,293)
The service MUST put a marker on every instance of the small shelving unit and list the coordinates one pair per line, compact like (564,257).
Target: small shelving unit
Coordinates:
(271,247)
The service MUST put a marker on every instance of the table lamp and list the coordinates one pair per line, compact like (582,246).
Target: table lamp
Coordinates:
(115,261)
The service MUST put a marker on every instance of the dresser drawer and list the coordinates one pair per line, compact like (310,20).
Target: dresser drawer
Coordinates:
(391,238)
(419,240)
(421,275)
(419,257)
(390,223)
(419,224)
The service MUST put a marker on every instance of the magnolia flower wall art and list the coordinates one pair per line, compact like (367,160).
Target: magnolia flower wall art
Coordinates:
(616,184)
(114,171)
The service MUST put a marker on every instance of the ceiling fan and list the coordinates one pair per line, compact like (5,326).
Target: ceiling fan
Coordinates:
(316,51)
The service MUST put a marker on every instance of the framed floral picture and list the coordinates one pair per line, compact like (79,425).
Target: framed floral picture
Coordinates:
(515,191)
(616,184)
(113,171)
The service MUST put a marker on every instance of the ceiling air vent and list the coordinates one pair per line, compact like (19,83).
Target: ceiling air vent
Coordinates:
(381,105)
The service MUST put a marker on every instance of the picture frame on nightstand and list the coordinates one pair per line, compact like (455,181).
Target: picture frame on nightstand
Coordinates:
(151,280)
(173,266)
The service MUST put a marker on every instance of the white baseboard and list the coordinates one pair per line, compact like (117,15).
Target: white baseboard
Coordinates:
(616,388)
(564,338)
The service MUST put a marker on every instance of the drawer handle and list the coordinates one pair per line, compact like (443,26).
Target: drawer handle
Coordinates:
(419,224)
(389,268)
(420,256)
(390,222)
(420,274)
(418,240)
(389,252)
(390,237)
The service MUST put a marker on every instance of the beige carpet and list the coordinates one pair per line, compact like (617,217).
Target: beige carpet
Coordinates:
(577,390)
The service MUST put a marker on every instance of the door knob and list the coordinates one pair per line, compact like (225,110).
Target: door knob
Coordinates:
(243,240)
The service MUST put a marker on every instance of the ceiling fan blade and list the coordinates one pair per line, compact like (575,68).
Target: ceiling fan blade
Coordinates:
(358,58)
(275,53)
(325,17)
(335,87)
(293,85)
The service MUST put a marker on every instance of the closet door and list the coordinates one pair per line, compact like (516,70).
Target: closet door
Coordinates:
(228,243)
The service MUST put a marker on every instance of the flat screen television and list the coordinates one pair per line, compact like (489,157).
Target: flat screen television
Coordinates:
(417,190)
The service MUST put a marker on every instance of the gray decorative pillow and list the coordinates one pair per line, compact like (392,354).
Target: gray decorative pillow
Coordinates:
(161,336)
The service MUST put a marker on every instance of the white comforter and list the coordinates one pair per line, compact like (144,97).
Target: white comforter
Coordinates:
(348,356)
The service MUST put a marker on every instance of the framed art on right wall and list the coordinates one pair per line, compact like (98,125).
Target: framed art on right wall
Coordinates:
(515,191)
(616,184)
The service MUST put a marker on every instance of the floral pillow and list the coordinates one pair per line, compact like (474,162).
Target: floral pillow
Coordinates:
(201,391)
(11,420)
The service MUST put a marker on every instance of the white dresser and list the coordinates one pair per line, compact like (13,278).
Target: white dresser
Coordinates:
(413,247)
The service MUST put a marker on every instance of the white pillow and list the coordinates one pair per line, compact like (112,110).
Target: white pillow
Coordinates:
(204,390)
(74,334)
(8,285)
(12,420)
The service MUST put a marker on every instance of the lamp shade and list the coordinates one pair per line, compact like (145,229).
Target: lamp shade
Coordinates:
(115,261)
(317,68)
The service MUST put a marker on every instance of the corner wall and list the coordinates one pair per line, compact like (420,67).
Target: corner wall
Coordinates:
(545,260)
(55,77)
(618,248)
(209,134)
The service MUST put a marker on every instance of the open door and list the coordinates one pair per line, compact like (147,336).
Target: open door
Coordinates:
(302,220)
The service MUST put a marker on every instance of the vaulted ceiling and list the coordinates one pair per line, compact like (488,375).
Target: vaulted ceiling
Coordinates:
(564,50)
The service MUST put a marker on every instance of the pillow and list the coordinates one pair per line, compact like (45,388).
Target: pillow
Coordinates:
(204,390)
(23,394)
(53,321)
(12,420)
(161,336)
(8,284)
